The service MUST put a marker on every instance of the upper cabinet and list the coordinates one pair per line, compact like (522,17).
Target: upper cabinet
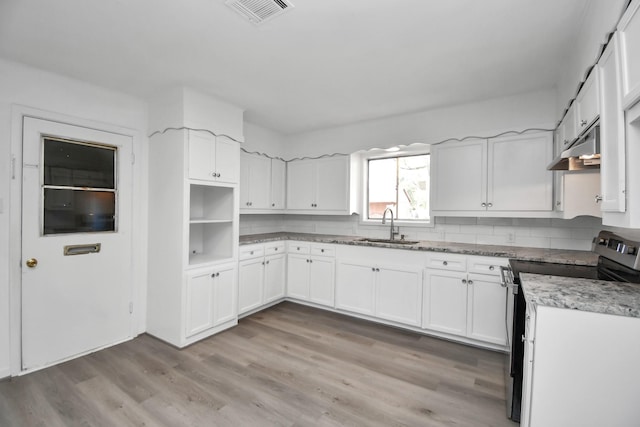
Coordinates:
(321,186)
(588,103)
(629,38)
(262,183)
(213,158)
(502,177)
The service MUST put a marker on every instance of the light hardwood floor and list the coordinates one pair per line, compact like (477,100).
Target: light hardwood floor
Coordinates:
(289,365)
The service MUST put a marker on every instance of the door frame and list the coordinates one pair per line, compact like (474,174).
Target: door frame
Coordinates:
(138,232)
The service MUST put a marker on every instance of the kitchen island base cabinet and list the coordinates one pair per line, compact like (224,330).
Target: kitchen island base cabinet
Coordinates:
(583,369)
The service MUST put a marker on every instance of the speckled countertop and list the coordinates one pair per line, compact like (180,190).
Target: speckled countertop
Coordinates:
(526,254)
(598,296)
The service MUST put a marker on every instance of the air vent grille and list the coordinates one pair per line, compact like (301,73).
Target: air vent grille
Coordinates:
(259,11)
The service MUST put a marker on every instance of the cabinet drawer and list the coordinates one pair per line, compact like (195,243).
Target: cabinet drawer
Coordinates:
(251,251)
(274,248)
(486,265)
(444,261)
(323,250)
(298,247)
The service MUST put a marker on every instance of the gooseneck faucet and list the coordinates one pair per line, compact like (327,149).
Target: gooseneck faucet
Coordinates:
(384,215)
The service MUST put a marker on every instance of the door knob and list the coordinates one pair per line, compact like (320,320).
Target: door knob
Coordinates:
(31,262)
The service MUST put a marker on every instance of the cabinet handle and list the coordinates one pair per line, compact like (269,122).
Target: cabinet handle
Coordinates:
(558,203)
(445,263)
(491,268)
(583,123)
(464,281)
(598,198)
(523,338)
(483,204)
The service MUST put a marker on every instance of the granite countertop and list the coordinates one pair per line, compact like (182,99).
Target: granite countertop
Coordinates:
(560,256)
(598,296)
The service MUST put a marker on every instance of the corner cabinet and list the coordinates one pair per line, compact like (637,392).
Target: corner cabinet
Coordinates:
(503,177)
(193,235)
(322,186)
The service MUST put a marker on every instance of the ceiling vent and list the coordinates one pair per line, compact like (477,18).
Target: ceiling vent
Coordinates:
(259,11)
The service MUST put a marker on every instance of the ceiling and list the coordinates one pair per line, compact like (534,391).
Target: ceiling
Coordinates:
(324,63)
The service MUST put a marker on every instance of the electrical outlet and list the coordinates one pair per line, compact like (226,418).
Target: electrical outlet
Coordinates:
(511,238)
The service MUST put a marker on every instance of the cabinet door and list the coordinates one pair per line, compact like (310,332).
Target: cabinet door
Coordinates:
(487,304)
(201,152)
(518,175)
(322,280)
(278,183)
(629,31)
(332,183)
(250,284)
(200,296)
(399,295)
(227,160)
(570,129)
(612,136)
(224,295)
(274,277)
(459,173)
(558,176)
(355,287)
(255,172)
(588,102)
(445,302)
(298,276)
(300,184)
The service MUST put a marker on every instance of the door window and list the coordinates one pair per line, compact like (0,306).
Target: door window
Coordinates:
(79,187)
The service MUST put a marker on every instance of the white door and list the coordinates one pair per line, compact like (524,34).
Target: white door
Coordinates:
(399,295)
(76,241)
(321,281)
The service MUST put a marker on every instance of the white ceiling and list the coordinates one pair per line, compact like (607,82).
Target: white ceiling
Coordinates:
(324,63)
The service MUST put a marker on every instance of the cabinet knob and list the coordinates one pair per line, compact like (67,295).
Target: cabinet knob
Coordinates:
(523,338)
(267,262)
(491,268)
(445,263)
(275,249)
(470,282)
(558,203)
(377,270)
(322,250)
(262,262)
(598,198)
(464,281)
(583,123)
(373,269)
(483,204)
(273,205)
(489,205)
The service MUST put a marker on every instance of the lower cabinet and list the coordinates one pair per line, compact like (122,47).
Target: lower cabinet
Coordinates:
(466,304)
(311,272)
(210,298)
(388,292)
(261,275)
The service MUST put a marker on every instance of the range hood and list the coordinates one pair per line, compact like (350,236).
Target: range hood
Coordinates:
(583,154)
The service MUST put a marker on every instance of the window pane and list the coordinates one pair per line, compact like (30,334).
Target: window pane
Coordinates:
(399,183)
(78,165)
(76,211)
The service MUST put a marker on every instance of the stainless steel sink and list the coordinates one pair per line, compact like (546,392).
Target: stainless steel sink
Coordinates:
(393,242)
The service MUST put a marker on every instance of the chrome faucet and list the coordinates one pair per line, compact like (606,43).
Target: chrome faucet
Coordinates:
(392,231)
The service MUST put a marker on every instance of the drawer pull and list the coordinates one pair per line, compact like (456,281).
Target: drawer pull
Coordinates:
(491,267)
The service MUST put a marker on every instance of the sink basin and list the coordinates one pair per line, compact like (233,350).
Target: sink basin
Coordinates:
(393,242)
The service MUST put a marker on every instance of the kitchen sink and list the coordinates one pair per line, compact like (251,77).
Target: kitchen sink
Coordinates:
(393,242)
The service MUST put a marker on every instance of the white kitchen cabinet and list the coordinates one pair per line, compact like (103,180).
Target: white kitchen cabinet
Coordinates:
(558,176)
(261,275)
(262,184)
(562,385)
(384,291)
(322,186)
(193,227)
(255,183)
(570,127)
(210,298)
(612,135)
(629,39)
(588,102)
(469,303)
(503,176)
(213,158)
(311,273)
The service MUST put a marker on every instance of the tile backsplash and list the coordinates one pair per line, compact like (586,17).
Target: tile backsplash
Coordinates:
(574,233)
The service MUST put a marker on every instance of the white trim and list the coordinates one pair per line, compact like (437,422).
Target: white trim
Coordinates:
(139,230)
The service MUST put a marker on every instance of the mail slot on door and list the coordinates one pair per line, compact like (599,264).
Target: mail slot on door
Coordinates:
(92,248)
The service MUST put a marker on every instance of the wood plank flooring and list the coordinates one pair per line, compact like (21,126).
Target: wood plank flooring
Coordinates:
(289,365)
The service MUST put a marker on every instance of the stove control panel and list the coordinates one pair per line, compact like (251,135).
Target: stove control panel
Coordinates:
(617,248)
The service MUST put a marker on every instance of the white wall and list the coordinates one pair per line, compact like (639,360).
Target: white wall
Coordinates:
(262,140)
(600,18)
(486,118)
(22,87)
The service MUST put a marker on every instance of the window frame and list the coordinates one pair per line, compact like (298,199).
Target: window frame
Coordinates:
(392,152)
